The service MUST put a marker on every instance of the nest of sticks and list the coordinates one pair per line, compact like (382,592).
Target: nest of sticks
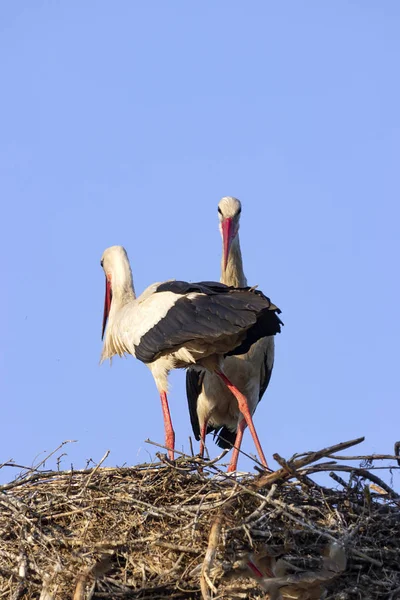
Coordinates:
(187,530)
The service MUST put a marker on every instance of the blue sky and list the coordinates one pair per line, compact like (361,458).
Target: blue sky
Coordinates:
(125,123)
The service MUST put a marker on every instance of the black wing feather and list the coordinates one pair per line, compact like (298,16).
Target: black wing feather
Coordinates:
(267,324)
(184,287)
(194,382)
(219,310)
(224,437)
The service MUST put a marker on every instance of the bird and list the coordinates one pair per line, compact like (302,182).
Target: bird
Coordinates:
(212,407)
(176,324)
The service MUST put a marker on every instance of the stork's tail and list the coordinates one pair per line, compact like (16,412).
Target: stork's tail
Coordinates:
(224,438)
(268,324)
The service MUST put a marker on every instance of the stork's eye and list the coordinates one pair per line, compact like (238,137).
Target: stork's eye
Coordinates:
(219,210)
(239,211)
(101,263)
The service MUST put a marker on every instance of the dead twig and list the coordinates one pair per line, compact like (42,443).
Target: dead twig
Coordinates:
(308,458)
(213,541)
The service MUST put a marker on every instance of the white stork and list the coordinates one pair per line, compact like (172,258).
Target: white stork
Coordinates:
(212,407)
(176,324)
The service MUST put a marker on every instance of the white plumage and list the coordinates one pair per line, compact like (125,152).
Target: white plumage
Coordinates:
(176,324)
(212,406)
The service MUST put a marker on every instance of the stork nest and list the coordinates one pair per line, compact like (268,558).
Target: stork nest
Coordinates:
(187,530)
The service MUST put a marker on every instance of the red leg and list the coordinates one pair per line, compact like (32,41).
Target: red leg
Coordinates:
(238,442)
(203,438)
(257,572)
(244,409)
(169,431)
(255,569)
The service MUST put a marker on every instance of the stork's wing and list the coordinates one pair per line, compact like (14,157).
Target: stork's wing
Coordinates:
(267,364)
(202,287)
(194,382)
(180,312)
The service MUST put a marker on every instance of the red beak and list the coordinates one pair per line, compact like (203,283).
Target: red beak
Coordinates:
(228,233)
(107,305)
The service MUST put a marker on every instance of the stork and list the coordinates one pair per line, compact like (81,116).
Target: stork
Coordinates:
(176,324)
(212,407)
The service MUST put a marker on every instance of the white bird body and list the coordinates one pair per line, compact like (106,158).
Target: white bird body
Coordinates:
(218,405)
(131,321)
(212,406)
(134,318)
(176,324)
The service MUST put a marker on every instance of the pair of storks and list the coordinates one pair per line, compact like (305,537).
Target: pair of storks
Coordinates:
(222,333)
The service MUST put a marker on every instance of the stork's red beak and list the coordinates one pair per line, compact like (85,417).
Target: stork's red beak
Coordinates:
(228,234)
(107,305)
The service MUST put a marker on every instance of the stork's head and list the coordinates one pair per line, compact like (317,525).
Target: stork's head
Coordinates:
(229,210)
(118,273)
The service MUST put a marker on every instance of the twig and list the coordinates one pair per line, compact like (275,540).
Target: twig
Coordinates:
(11,463)
(215,460)
(360,473)
(194,460)
(94,471)
(292,471)
(97,570)
(328,450)
(37,467)
(309,458)
(148,441)
(177,547)
(287,510)
(191,446)
(338,479)
(369,457)
(213,541)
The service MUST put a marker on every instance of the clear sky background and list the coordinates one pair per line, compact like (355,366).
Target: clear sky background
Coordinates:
(125,123)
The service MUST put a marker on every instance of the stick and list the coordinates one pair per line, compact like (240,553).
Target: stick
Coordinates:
(97,467)
(338,479)
(310,457)
(361,473)
(177,547)
(370,457)
(209,557)
(35,468)
(96,571)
